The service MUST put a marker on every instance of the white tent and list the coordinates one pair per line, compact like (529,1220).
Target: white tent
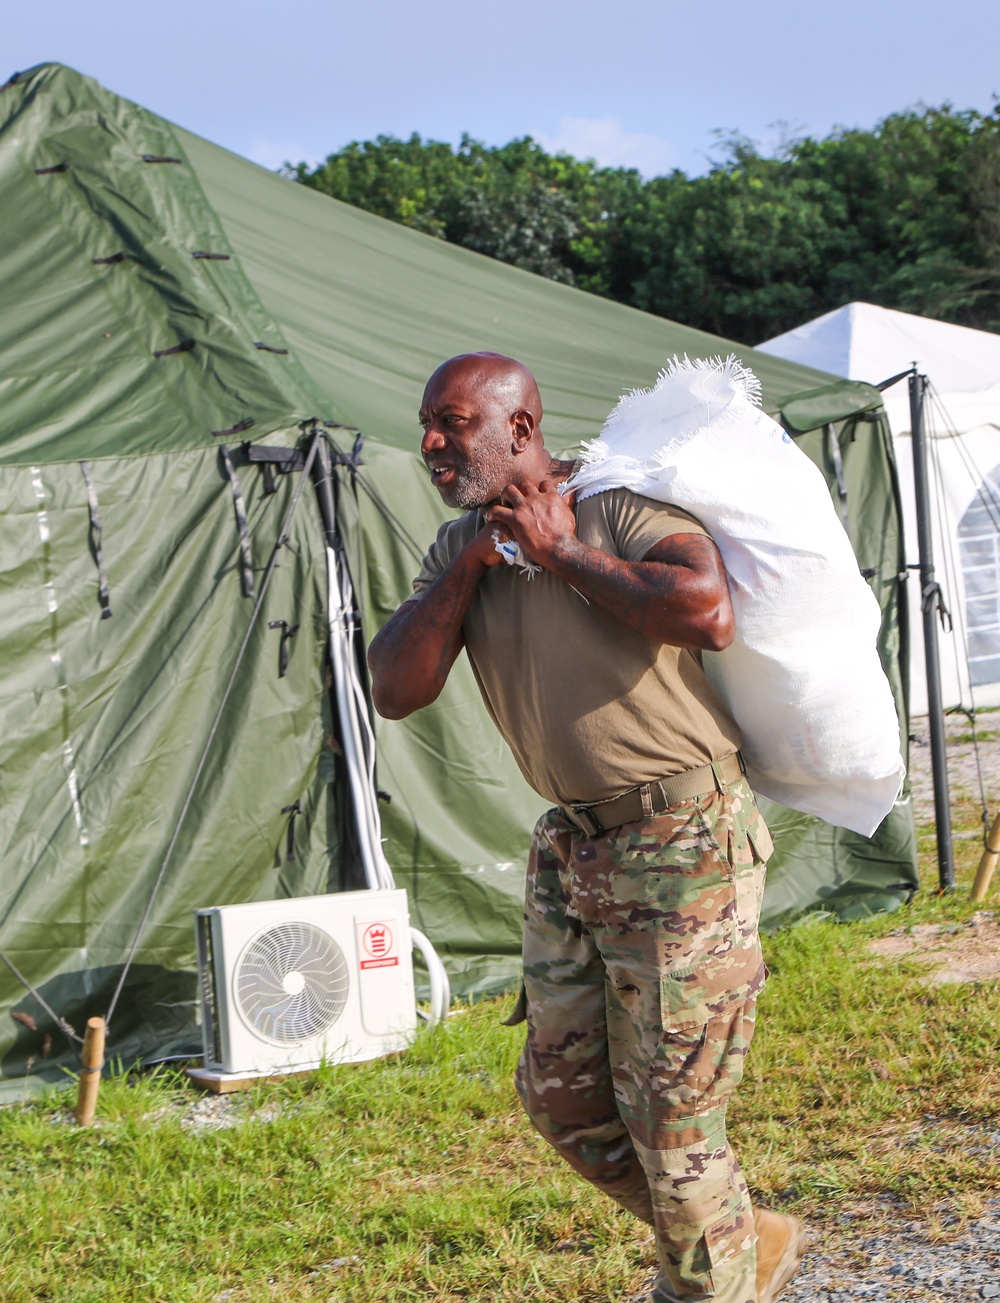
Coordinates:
(962,418)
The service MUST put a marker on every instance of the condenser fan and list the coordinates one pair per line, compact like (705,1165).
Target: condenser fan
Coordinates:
(291,982)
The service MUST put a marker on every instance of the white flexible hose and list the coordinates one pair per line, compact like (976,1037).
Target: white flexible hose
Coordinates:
(359,753)
(440,986)
(377,871)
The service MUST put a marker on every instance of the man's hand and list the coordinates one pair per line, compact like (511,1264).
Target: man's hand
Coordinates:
(483,549)
(538,517)
(677,593)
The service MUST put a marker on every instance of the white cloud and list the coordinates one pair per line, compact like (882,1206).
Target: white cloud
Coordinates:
(272,154)
(607,141)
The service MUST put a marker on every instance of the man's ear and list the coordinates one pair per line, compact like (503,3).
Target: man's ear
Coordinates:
(522,427)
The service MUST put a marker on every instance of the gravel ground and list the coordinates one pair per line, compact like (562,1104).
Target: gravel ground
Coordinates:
(900,1261)
(881,1253)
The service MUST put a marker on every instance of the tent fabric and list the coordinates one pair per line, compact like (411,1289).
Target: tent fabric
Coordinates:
(828,405)
(307,310)
(104,721)
(372,308)
(82,375)
(814,863)
(962,420)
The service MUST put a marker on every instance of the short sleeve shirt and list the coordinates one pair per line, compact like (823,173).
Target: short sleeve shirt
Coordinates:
(589,706)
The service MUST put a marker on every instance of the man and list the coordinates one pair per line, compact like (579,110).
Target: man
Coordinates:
(642,960)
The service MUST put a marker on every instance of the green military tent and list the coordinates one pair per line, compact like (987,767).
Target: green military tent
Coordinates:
(183,336)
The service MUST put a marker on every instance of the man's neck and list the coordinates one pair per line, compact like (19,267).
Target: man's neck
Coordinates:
(546,468)
(560,470)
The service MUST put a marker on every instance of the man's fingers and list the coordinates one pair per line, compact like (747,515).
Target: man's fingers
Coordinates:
(554,486)
(498,515)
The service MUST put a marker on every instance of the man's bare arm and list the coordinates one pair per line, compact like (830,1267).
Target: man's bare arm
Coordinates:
(412,655)
(678,592)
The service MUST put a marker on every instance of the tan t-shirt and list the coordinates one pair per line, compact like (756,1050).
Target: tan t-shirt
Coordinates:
(589,706)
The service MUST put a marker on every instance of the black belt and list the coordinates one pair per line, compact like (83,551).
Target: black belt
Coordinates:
(657,797)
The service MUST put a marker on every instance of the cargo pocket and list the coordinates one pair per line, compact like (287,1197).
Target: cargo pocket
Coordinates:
(729,1251)
(749,851)
(700,1273)
(708,1265)
(760,841)
(683,1001)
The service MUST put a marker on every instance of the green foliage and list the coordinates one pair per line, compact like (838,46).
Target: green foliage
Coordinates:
(906,215)
(541,212)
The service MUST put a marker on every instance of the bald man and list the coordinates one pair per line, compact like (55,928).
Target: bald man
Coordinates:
(642,960)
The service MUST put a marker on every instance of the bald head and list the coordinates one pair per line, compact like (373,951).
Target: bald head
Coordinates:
(504,379)
(481,415)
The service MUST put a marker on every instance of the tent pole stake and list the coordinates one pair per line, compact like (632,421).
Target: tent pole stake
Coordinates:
(929,604)
(90,1075)
(988,863)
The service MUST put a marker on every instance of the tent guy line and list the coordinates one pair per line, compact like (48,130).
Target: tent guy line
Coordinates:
(59,1021)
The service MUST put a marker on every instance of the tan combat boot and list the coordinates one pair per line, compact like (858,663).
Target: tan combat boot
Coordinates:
(781,1242)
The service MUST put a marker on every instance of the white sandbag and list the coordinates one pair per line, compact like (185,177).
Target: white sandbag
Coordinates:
(802,677)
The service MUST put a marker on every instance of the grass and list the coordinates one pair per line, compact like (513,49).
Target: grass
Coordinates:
(417,1179)
(866,1082)
(972,739)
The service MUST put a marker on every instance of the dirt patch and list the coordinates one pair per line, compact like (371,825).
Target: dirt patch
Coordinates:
(960,952)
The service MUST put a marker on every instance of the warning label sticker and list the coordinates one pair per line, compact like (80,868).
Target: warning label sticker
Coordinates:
(378,944)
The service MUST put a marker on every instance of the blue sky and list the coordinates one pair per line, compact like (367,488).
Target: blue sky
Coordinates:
(640,83)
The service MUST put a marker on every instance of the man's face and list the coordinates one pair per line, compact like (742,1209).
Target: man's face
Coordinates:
(467,439)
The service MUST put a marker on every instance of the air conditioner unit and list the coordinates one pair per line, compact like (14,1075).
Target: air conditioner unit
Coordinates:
(288,984)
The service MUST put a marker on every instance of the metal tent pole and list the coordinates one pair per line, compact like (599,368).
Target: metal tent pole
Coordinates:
(930,605)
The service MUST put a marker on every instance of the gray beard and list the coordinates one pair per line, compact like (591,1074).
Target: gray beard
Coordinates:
(476,485)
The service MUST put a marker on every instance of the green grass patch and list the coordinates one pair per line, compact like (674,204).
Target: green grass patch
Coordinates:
(970,738)
(417,1177)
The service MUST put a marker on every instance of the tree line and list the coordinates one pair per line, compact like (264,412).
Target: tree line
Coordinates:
(906,215)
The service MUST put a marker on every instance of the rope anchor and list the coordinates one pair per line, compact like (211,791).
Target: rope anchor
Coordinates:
(90,1072)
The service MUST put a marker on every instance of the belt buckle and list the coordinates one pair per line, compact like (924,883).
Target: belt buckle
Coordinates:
(587,821)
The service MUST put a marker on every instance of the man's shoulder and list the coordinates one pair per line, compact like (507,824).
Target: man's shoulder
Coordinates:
(623,508)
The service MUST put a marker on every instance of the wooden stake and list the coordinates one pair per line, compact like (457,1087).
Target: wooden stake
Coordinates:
(988,863)
(90,1073)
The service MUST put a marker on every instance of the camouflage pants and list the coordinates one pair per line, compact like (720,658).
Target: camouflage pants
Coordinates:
(642,965)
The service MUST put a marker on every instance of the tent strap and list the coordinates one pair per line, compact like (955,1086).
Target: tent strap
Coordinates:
(239,506)
(96,534)
(836,457)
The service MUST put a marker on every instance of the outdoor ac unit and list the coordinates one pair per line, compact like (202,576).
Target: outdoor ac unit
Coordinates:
(288,984)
